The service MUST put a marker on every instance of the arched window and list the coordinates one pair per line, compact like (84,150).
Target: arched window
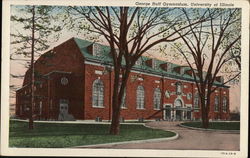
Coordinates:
(123,104)
(224,104)
(196,101)
(216,103)
(157,98)
(98,93)
(140,97)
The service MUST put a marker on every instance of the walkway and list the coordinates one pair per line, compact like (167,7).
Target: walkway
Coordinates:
(188,139)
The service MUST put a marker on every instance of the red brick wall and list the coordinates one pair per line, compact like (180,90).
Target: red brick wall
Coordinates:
(79,90)
(67,58)
(91,112)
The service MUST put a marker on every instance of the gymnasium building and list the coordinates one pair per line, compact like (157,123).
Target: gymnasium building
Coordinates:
(74,81)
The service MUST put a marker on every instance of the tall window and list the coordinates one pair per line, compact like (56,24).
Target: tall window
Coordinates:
(140,97)
(224,104)
(216,103)
(98,93)
(40,107)
(123,104)
(196,101)
(157,98)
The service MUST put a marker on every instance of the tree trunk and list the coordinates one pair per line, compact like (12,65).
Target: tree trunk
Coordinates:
(205,113)
(115,123)
(31,126)
(117,101)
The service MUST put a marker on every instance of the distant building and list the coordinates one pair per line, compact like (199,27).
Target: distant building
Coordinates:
(74,81)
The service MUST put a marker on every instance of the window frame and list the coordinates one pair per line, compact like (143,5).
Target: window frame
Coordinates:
(157,99)
(98,94)
(224,104)
(140,97)
(196,102)
(216,103)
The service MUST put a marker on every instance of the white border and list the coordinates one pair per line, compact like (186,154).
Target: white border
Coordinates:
(117,152)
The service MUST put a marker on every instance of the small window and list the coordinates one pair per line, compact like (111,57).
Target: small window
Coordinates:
(178,88)
(96,49)
(154,64)
(189,96)
(138,61)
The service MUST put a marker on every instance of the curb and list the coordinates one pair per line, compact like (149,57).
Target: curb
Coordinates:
(133,141)
(77,122)
(211,130)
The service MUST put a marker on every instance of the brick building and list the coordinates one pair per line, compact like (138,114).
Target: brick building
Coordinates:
(74,81)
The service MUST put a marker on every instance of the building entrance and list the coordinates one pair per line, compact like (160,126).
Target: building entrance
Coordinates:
(178,115)
(189,115)
(63,111)
(167,112)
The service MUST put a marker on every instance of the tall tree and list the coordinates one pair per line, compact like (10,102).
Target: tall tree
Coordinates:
(211,46)
(34,25)
(130,32)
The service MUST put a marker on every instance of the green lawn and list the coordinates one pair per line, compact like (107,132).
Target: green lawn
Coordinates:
(48,135)
(216,125)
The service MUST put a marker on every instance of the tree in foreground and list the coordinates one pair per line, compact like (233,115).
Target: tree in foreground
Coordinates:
(212,47)
(34,25)
(129,32)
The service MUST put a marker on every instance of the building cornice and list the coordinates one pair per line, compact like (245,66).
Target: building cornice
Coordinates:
(162,75)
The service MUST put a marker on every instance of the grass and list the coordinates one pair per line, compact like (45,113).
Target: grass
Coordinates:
(216,125)
(53,135)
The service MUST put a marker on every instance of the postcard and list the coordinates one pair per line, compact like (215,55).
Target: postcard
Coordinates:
(129,78)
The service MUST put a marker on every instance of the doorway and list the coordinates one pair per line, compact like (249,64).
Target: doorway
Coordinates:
(167,112)
(178,115)
(63,109)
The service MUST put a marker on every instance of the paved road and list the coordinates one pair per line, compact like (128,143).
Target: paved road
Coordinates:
(188,139)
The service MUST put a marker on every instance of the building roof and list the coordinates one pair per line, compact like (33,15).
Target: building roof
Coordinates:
(105,58)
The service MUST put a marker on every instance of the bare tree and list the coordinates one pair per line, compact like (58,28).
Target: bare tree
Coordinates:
(211,47)
(130,32)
